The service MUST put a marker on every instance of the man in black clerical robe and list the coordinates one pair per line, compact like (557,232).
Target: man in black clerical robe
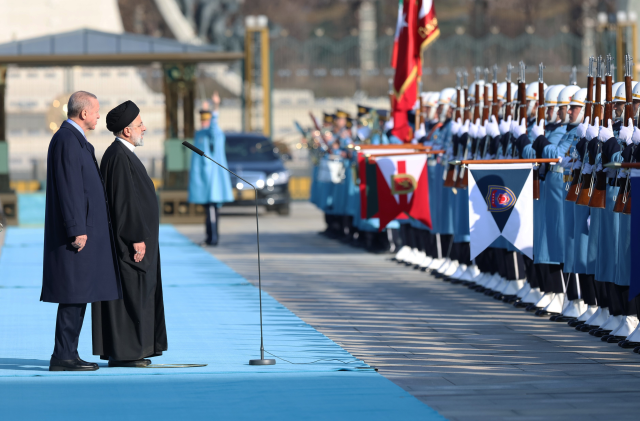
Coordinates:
(130,330)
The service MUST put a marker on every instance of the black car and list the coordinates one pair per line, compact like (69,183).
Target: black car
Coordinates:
(255,158)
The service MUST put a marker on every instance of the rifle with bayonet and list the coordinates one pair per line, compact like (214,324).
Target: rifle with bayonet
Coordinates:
(623,193)
(522,94)
(573,187)
(462,181)
(587,179)
(599,191)
(536,167)
(486,110)
(467,105)
(495,105)
(507,95)
(457,113)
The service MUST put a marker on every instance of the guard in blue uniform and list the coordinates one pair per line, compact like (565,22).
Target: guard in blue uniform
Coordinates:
(209,184)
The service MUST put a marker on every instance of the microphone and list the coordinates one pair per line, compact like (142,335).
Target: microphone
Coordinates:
(262,360)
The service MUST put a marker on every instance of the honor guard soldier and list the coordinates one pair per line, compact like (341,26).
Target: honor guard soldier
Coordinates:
(209,184)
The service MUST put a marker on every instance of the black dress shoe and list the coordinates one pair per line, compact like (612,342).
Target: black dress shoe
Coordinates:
(71,365)
(87,363)
(637,350)
(132,364)
(575,322)
(510,299)
(562,318)
(532,308)
(585,328)
(627,344)
(520,304)
(605,338)
(615,339)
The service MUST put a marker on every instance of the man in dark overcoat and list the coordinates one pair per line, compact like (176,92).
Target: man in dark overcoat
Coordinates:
(79,258)
(130,330)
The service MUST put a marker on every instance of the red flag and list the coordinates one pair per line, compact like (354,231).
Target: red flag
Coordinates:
(407,63)
(417,27)
(427,28)
(403,188)
(394,55)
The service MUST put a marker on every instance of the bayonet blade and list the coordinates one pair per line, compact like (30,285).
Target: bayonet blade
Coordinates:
(590,74)
(495,73)
(541,73)
(509,69)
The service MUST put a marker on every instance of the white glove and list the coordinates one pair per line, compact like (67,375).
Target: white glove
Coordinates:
(626,132)
(636,136)
(592,131)
(565,162)
(464,128)
(482,131)
(473,130)
(388,125)
(492,128)
(505,125)
(513,127)
(455,126)
(538,129)
(606,133)
(582,128)
(420,133)
(519,130)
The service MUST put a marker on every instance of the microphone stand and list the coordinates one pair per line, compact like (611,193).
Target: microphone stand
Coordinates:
(262,360)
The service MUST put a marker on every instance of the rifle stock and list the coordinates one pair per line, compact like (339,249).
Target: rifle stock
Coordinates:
(598,198)
(536,169)
(587,179)
(573,190)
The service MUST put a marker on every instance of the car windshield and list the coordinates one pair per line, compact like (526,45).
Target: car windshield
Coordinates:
(250,149)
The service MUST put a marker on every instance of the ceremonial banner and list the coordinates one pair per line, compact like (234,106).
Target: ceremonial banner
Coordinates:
(407,63)
(416,28)
(501,205)
(403,188)
(634,286)
(368,181)
(427,27)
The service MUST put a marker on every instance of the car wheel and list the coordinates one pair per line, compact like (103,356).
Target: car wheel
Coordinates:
(283,210)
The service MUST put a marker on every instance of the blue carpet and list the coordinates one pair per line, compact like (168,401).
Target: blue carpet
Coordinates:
(31,209)
(212,318)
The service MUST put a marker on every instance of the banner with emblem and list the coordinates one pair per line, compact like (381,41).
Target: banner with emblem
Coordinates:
(402,188)
(501,205)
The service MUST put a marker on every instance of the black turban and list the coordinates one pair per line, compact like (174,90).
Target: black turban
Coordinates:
(121,116)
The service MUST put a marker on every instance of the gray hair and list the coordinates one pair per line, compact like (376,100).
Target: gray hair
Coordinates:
(79,101)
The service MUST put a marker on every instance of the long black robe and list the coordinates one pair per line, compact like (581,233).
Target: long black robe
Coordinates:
(133,327)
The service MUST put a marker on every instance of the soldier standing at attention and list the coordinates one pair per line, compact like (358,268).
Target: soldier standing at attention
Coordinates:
(209,184)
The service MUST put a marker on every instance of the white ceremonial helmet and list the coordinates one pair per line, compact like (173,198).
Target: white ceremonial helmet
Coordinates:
(636,92)
(472,89)
(578,98)
(565,97)
(425,96)
(446,95)
(532,95)
(551,99)
(620,95)
(532,91)
(432,101)
(455,99)
(502,89)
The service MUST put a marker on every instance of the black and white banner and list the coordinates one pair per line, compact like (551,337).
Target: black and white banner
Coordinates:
(501,205)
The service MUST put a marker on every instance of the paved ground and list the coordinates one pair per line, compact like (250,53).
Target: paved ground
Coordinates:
(466,355)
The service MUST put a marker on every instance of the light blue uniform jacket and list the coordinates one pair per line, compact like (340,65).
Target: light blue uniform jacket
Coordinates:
(208,183)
